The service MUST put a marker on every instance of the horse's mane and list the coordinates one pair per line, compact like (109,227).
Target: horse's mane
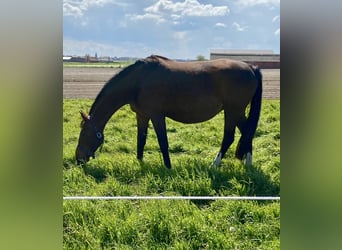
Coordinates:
(124,72)
(154,58)
(127,70)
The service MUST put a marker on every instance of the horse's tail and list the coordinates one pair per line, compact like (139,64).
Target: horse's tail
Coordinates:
(245,144)
(255,108)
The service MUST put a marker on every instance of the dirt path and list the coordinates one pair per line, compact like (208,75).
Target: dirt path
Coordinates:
(87,82)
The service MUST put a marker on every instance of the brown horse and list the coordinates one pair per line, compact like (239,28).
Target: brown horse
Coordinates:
(188,92)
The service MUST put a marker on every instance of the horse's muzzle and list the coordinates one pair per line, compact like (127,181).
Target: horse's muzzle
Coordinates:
(82,156)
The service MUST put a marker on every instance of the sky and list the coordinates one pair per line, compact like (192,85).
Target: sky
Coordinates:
(178,29)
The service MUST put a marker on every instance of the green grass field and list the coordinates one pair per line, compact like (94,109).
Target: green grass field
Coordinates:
(171,224)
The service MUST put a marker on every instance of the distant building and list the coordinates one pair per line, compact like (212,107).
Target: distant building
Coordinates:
(66,58)
(265,59)
(104,59)
(74,59)
(87,58)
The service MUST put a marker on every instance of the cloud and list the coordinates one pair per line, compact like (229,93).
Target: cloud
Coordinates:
(174,28)
(148,16)
(277,32)
(183,14)
(179,13)
(238,27)
(77,8)
(222,25)
(186,8)
(71,10)
(275,19)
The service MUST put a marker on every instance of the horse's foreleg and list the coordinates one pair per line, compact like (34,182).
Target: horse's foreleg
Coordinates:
(142,123)
(160,128)
(228,138)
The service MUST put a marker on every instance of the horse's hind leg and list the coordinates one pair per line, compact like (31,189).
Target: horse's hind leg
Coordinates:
(142,123)
(160,128)
(244,147)
(228,138)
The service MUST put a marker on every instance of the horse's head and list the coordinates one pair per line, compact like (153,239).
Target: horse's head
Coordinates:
(89,141)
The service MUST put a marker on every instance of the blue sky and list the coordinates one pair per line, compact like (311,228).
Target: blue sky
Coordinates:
(179,29)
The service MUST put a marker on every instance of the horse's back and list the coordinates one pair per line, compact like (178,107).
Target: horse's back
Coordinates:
(198,67)
(220,77)
(194,91)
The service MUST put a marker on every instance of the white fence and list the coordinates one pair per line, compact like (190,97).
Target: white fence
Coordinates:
(171,198)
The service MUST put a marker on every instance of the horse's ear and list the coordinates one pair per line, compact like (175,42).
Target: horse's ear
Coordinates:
(84,116)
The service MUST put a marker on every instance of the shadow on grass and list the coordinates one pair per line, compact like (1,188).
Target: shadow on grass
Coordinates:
(231,178)
(186,178)
(237,179)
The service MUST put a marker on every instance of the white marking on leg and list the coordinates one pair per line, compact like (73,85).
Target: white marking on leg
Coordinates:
(217,160)
(248,159)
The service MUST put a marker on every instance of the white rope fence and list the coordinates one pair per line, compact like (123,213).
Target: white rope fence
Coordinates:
(171,198)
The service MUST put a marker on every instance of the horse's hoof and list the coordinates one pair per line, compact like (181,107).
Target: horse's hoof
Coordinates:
(248,159)
(217,160)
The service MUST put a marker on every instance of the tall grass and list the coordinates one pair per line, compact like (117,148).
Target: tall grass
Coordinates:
(171,224)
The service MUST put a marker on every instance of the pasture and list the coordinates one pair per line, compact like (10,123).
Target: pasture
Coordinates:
(171,224)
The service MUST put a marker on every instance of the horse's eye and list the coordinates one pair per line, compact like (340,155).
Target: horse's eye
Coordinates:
(98,135)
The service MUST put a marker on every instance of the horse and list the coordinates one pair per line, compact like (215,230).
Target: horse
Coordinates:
(189,92)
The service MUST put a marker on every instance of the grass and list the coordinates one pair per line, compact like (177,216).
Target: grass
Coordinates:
(171,224)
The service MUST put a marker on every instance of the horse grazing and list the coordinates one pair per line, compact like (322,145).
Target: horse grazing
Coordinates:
(189,92)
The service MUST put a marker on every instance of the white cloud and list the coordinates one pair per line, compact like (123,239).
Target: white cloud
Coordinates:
(71,10)
(133,30)
(175,17)
(238,27)
(222,25)
(275,19)
(77,8)
(174,12)
(187,8)
(148,16)
(277,32)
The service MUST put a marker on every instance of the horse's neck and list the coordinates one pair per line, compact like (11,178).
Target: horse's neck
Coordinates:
(108,104)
